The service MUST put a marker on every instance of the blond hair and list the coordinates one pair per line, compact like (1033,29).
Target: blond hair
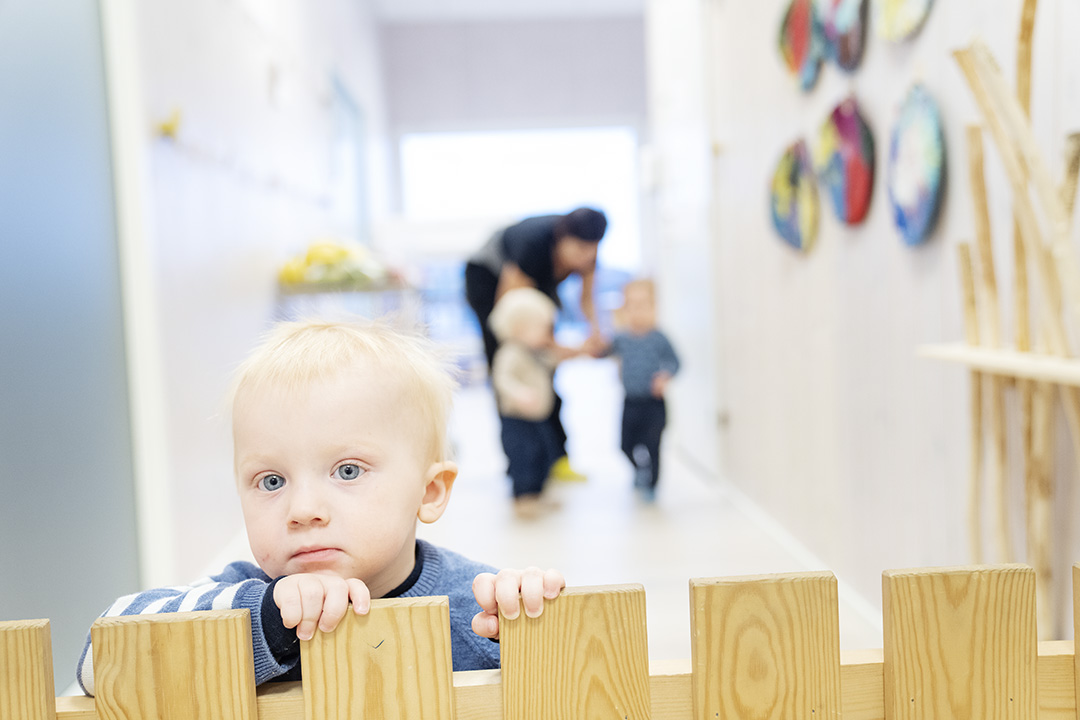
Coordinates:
(294,355)
(520,307)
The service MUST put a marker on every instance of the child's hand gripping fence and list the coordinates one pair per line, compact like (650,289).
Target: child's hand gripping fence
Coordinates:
(958,643)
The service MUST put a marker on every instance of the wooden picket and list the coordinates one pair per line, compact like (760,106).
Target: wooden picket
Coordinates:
(586,656)
(766,646)
(393,663)
(26,680)
(958,643)
(175,665)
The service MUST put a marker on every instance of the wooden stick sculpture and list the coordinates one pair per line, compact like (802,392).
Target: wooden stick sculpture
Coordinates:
(1042,212)
(991,316)
(1033,482)
(971,334)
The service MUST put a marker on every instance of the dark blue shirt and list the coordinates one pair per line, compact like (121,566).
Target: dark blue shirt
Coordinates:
(642,357)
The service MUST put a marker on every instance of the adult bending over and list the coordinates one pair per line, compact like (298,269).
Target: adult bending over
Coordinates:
(539,252)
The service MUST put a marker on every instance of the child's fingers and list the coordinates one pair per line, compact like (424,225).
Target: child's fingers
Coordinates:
(287,598)
(360,596)
(291,612)
(532,591)
(312,594)
(554,582)
(484,591)
(507,592)
(486,625)
(335,603)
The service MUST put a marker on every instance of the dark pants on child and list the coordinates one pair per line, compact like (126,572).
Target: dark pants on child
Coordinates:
(480,287)
(643,423)
(531,447)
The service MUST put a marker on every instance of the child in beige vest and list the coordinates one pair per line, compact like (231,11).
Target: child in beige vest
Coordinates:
(522,375)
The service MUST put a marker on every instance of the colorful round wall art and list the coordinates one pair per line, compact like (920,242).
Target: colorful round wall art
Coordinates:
(793,200)
(900,19)
(844,160)
(916,175)
(844,25)
(802,42)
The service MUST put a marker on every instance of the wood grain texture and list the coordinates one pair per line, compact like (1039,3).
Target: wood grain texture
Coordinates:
(765,646)
(1022,140)
(1046,368)
(394,662)
(1022,301)
(1071,174)
(984,247)
(182,666)
(975,459)
(998,467)
(26,670)
(1039,484)
(1057,696)
(478,694)
(988,315)
(1076,624)
(586,656)
(960,643)
(1016,168)
(862,685)
(969,304)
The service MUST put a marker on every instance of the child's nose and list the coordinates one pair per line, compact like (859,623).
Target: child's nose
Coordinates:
(308,507)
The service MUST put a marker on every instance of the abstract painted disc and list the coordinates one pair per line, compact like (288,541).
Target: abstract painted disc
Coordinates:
(916,176)
(802,42)
(844,160)
(793,199)
(844,25)
(900,19)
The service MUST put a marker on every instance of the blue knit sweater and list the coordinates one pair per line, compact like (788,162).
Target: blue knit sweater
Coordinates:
(277,654)
(642,357)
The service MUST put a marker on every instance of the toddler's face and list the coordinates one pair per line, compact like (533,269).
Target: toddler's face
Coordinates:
(639,309)
(331,478)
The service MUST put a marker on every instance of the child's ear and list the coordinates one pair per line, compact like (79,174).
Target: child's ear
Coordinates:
(439,479)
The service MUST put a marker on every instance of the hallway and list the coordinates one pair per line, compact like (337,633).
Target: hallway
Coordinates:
(603,534)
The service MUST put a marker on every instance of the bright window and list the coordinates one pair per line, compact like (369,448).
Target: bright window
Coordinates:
(453,176)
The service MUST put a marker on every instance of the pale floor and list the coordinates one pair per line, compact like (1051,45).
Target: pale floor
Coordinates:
(602,534)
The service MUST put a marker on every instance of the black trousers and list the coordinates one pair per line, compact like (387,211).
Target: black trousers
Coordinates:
(643,423)
(480,287)
(531,448)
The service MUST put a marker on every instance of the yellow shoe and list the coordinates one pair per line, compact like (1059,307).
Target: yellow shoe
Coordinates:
(562,472)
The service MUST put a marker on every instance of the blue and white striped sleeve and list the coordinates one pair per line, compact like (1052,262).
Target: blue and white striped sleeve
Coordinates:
(240,585)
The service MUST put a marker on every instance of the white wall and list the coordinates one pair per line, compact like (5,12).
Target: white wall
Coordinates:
(248,182)
(514,74)
(836,428)
(529,73)
(679,193)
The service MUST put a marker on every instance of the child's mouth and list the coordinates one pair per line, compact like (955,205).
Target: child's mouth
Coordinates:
(315,555)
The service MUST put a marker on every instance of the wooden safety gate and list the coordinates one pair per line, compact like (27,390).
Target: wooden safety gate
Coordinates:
(959,643)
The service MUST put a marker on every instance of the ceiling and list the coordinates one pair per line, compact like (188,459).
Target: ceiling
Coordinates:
(409,11)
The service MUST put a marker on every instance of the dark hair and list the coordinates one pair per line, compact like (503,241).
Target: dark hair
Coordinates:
(585,223)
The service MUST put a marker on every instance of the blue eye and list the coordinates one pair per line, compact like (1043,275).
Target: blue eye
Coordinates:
(270,483)
(348,471)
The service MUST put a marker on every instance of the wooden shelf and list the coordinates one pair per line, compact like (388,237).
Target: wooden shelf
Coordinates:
(1012,363)
(354,286)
